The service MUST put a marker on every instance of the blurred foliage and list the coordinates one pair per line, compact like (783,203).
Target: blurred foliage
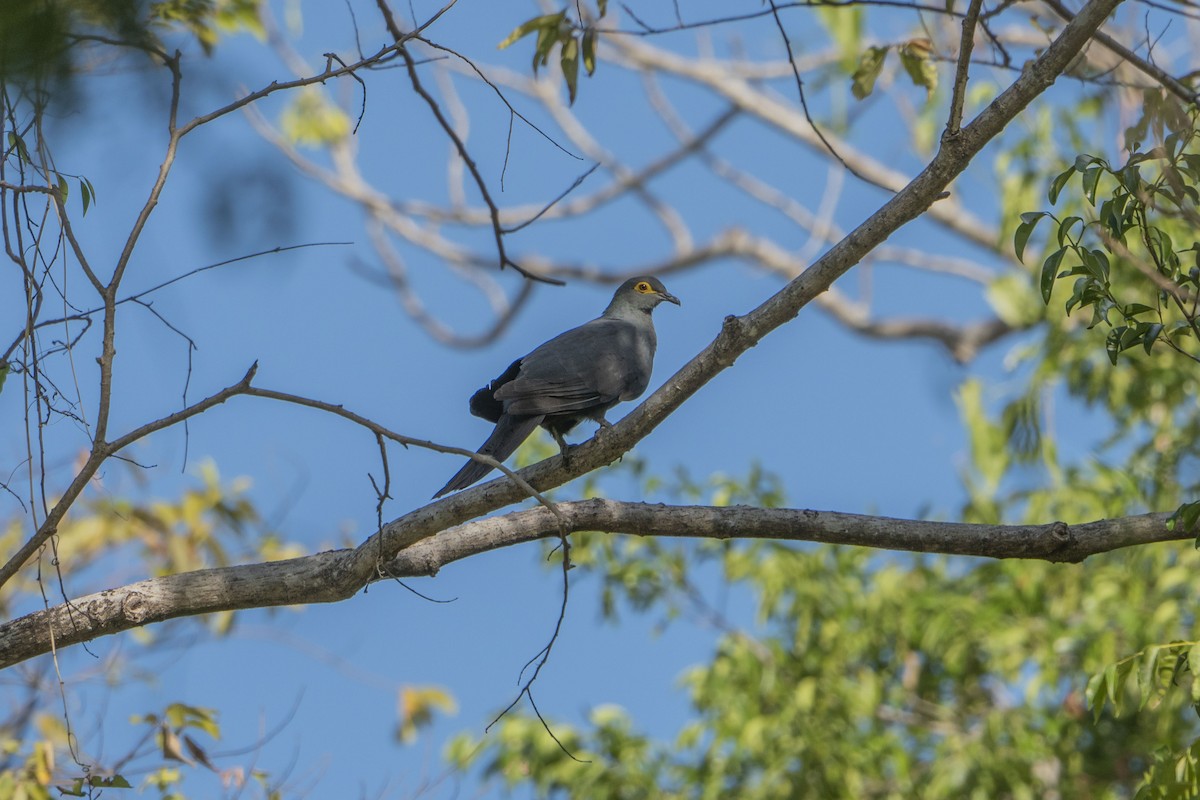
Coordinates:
(40,39)
(871,675)
(876,675)
(110,541)
(113,539)
(416,707)
(103,543)
(1126,233)
(310,119)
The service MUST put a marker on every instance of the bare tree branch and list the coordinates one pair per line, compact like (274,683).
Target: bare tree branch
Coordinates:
(331,576)
(771,110)
(1149,68)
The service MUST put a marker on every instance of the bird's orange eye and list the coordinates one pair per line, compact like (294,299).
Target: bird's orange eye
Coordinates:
(644,288)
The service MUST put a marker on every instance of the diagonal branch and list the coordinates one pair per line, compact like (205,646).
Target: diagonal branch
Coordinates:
(769,109)
(459,146)
(1147,67)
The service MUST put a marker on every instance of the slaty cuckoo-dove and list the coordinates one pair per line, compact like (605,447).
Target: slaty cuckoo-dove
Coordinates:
(577,375)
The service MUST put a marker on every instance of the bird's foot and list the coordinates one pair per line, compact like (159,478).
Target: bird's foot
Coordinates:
(565,451)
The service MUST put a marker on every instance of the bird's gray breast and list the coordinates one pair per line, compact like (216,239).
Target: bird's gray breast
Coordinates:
(639,353)
(622,362)
(610,359)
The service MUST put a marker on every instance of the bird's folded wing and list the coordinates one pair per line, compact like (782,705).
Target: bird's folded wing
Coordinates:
(546,396)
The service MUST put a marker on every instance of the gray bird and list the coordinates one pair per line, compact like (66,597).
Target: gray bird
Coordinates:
(577,375)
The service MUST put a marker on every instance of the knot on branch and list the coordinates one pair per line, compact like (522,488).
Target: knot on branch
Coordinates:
(135,608)
(1065,548)
(733,340)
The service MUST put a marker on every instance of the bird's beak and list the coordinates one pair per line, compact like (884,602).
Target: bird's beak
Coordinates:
(670,298)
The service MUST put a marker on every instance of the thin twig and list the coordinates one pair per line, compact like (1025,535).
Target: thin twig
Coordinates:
(459,146)
(787,43)
(962,71)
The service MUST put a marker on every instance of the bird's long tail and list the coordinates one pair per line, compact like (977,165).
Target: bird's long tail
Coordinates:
(508,435)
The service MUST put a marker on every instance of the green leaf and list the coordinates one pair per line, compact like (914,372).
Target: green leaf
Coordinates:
(1131,179)
(64,188)
(1058,183)
(17,143)
(547,38)
(1050,272)
(862,83)
(87,192)
(1029,221)
(845,26)
(1185,518)
(1112,343)
(1096,264)
(916,56)
(1117,675)
(1151,336)
(589,51)
(569,60)
(74,790)
(1148,674)
(1096,694)
(1194,666)
(3,373)
(542,23)
(1064,229)
(1091,178)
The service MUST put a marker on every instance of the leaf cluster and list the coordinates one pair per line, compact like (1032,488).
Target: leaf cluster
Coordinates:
(574,39)
(40,39)
(916,57)
(863,676)
(1143,215)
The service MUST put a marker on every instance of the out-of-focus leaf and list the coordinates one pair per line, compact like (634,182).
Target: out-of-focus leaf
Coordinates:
(845,26)
(311,120)
(417,705)
(589,51)
(569,61)
(869,66)
(544,22)
(917,57)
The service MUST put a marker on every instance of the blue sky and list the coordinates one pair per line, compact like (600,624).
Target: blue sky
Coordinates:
(848,424)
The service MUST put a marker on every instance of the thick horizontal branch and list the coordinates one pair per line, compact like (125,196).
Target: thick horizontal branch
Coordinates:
(1055,541)
(320,578)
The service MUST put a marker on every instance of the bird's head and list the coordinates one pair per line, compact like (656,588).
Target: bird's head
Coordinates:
(642,293)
